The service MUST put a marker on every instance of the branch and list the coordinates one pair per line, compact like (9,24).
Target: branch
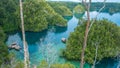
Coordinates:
(85,4)
(96,52)
(86,33)
(96,45)
(97,15)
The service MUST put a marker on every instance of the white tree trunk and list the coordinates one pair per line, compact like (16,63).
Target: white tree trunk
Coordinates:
(26,54)
(97,14)
(96,54)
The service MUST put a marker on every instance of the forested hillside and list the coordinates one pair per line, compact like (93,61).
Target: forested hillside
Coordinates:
(3,47)
(101,36)
(56,34)
(8,18)
(37,15)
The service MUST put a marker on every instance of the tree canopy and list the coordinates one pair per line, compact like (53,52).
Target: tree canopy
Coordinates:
(39,14)
(7,15)
(79,9)
(3,47)
(103,34)
(44,64)
(62,9)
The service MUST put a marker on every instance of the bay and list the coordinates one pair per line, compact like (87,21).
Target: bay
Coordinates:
(47,44)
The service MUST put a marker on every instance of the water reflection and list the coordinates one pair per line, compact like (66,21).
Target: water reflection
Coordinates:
(78,15)
(107,63)
(115,18)
(57,29)
(68,17)
(32,37)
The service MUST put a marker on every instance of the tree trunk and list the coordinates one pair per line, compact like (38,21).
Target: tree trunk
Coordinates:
(86,33)
(88,27)
(85,41)
(26,54)
(96,54)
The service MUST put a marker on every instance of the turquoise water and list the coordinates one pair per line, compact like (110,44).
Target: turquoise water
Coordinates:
(47,44)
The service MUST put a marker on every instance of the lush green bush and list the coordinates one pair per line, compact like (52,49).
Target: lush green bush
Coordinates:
(34,16)
(3,53)
(3,47)
(66,65)
(79,9)
(70,5)
(44,64)
(62,10)
(103,34)
(13,64)
(38,15)
(7,15)
(2,35)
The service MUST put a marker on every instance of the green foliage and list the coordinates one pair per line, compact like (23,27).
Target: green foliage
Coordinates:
(66,65)
(38,15)
(13,64)
(7,15)
(44,64)
(5,56)
(3,52)
(53,17)
(79,9)
(62,10)
(69,5)
(19,64)
(34,16)
(78,15)
(2,35)
(109,7)
(3,47)
(103,33)
(57,20)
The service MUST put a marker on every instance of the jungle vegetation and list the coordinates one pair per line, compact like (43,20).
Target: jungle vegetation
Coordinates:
(79,9)
(3,47)
(39,15)
(103,34)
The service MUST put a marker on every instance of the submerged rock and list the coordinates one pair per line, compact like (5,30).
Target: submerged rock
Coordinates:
(14,46)
(63,40)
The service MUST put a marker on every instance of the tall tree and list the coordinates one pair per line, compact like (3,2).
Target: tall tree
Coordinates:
(26,54)
(88,27)
(87,7)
